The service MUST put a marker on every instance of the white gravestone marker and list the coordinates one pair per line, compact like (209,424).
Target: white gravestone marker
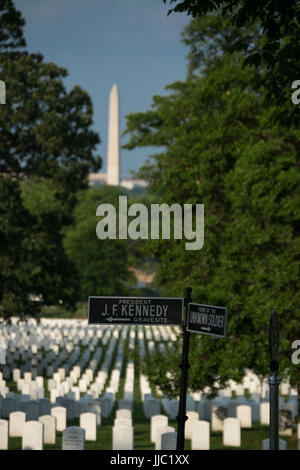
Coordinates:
(232,432)
(264,411)
(4,434)
(123,438)
(200,435)
(60,414)
(244,414)
(49,423)
(192,416)
(16,422)
(156,422)
(88,421)
(33,436)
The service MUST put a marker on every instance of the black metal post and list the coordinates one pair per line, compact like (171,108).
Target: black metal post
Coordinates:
(184,366)
(274,381)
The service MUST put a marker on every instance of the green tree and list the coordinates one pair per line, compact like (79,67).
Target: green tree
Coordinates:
(277,51)
(220,148)
(46,142)
(11,27)
(101,265)
(33,263)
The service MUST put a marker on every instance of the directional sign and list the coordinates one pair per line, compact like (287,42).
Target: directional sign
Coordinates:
(207,319)
(135,310)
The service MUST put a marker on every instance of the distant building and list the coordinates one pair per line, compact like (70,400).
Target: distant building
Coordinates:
(130,183)
(97,178)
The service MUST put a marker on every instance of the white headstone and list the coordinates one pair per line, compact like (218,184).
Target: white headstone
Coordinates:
(49,423)
(33,435)
(200,435)
(192,416)
(27,377)
(157,421)
(60,414)
(264,410)
(122,438)
(73,438)
(232,432)
(16,422)
(244,414)
(88,421)
(4,434)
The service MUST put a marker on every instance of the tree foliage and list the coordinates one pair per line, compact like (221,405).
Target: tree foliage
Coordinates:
(47,149)
(219,146)
(101,265)
(275,54)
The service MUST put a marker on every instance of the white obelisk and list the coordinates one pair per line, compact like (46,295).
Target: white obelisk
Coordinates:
(113,148)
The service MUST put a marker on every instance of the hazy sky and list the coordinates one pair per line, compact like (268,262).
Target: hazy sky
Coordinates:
(101,42)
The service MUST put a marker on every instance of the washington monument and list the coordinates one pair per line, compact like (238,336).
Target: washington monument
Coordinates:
(113,147)
(112,175)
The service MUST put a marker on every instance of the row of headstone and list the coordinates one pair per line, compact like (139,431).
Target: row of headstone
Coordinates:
(35,408)
(36,433)
(123,430)
(247,413)
(60,343)
(62,372)
(198,431)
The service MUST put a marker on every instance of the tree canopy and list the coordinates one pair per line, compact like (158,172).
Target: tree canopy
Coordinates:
(47,149)
(101,265)
(275,54)
(219,147)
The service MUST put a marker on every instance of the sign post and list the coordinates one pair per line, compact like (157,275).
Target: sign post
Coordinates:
(274,381)
(204,319)
(135,310)
(184,366)
(207,319)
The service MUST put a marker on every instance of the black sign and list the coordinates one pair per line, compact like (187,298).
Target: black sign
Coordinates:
(135,310)
(207,319)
